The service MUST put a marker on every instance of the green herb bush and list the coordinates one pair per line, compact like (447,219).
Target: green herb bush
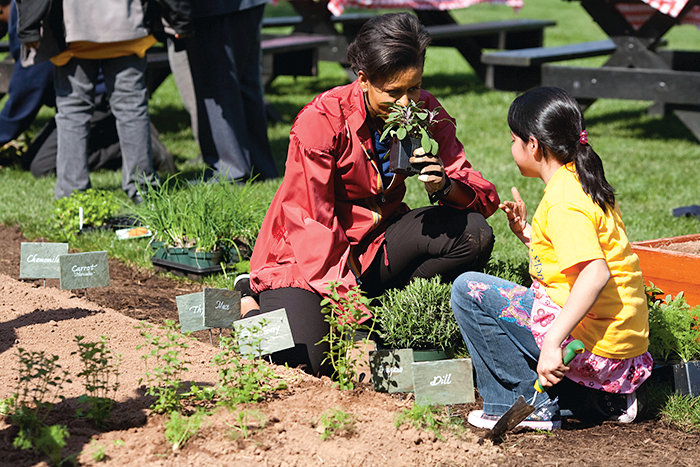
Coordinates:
(205,215)
(418,316)
(98,206)
(674,327)
(412,121)
(335,422)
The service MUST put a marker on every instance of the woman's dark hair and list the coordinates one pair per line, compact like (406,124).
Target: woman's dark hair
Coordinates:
(555,120)
(389,44)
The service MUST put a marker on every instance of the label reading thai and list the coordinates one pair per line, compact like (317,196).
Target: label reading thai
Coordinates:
(40,260)
(391,370)
(443,382)
(265,333)
(190,310)
(84,270)
(221,308)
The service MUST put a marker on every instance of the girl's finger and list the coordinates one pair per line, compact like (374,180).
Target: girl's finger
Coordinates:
(516,195)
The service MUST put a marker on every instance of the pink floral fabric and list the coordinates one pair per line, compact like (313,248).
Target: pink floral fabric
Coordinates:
(622,376)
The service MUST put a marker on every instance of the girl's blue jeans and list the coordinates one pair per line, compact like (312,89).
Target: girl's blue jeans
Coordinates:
(494,317)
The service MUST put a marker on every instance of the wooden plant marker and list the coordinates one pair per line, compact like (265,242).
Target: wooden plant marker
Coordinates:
(274,336)
(40,260)
(391,370)
(443,382)
(84,270)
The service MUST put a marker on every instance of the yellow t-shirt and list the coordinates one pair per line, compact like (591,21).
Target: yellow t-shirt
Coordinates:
(95,51)
(569,228)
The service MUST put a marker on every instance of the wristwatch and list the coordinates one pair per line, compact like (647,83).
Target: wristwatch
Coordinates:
(436,196)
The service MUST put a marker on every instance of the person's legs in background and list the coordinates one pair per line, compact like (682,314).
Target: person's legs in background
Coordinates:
(224,56)
(126,88)
(75,95)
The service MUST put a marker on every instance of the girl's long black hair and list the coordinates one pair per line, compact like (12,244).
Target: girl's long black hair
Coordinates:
(554,118)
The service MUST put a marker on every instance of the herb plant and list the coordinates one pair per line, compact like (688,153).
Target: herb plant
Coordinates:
(242,380)
(412,121)
(101,378)
(427,418)
(204,216)
(335,422)
(97,205)
(419,316)
(164,378)
(39,385)
(674,328)
(244,421)
(343,314)
(179,428)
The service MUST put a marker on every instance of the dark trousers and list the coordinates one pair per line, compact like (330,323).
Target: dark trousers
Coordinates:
(225,60)
(423,243)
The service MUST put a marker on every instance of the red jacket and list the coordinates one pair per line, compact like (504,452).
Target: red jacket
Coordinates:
(328,218)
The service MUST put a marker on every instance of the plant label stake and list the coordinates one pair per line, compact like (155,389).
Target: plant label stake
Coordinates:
(443,382)
(520,410)
(40,260)
(264,334)
(221,308)
(190,310)
(83,270)
(391,370)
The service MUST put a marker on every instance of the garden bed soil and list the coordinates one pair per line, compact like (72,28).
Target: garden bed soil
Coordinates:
(34,317)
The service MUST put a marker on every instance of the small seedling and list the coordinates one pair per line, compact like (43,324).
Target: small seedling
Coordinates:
(98,452)
(181,428)
(241,380)
(343,314)
(40,382)
(412,121)
(101,378)
(426,418)
(244,421)
(164,378)
(335,422)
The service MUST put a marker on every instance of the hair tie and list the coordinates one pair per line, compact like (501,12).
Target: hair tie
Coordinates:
(583,137)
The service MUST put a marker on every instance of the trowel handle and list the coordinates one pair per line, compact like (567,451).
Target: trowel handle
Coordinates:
(572,349)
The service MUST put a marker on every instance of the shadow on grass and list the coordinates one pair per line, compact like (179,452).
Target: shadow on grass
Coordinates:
(658,128)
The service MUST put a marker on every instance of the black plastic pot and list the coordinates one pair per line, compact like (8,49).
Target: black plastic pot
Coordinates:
(686,378)
(399,154)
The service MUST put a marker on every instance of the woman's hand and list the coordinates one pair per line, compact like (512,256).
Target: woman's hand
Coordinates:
(550,366)
(517,216)
(432,171)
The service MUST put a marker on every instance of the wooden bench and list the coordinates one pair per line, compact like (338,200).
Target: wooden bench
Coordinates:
(519,70)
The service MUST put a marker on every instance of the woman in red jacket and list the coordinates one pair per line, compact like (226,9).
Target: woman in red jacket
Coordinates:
(339,216)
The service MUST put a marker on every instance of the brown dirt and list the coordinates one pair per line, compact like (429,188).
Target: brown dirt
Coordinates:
(692,248)
(45,318)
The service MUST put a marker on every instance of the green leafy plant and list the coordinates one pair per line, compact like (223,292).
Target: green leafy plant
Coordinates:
(427,418)
(244,421)
(97,207)
(164,378)
(39,385)
(344,314)
(412,121)
(98,452)
(335,422)
(674,327)
(180,428)
(101,378)
(205,216)
(682,412)
(243,380)
(419,316)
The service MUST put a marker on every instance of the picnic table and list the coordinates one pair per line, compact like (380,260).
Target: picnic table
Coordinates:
(327,18)
(639,68)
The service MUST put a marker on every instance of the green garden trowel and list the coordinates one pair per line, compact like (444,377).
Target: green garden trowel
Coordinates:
(520,410)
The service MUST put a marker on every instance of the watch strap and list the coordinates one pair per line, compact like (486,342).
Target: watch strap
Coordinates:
(436,196)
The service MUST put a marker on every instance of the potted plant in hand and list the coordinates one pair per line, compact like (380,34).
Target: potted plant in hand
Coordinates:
(410,128)
(674,338)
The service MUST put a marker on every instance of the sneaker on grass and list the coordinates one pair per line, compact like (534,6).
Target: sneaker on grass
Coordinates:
(546,417)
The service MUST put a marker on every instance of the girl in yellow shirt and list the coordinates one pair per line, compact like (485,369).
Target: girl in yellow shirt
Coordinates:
(587,284)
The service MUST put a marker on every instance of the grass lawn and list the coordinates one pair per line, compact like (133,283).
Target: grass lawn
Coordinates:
(651,161)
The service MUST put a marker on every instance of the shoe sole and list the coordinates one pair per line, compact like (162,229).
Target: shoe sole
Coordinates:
(475,419)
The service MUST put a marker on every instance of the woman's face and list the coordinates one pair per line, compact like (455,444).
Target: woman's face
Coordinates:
(402,87)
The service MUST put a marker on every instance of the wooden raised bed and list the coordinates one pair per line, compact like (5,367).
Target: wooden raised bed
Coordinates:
(671,270)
